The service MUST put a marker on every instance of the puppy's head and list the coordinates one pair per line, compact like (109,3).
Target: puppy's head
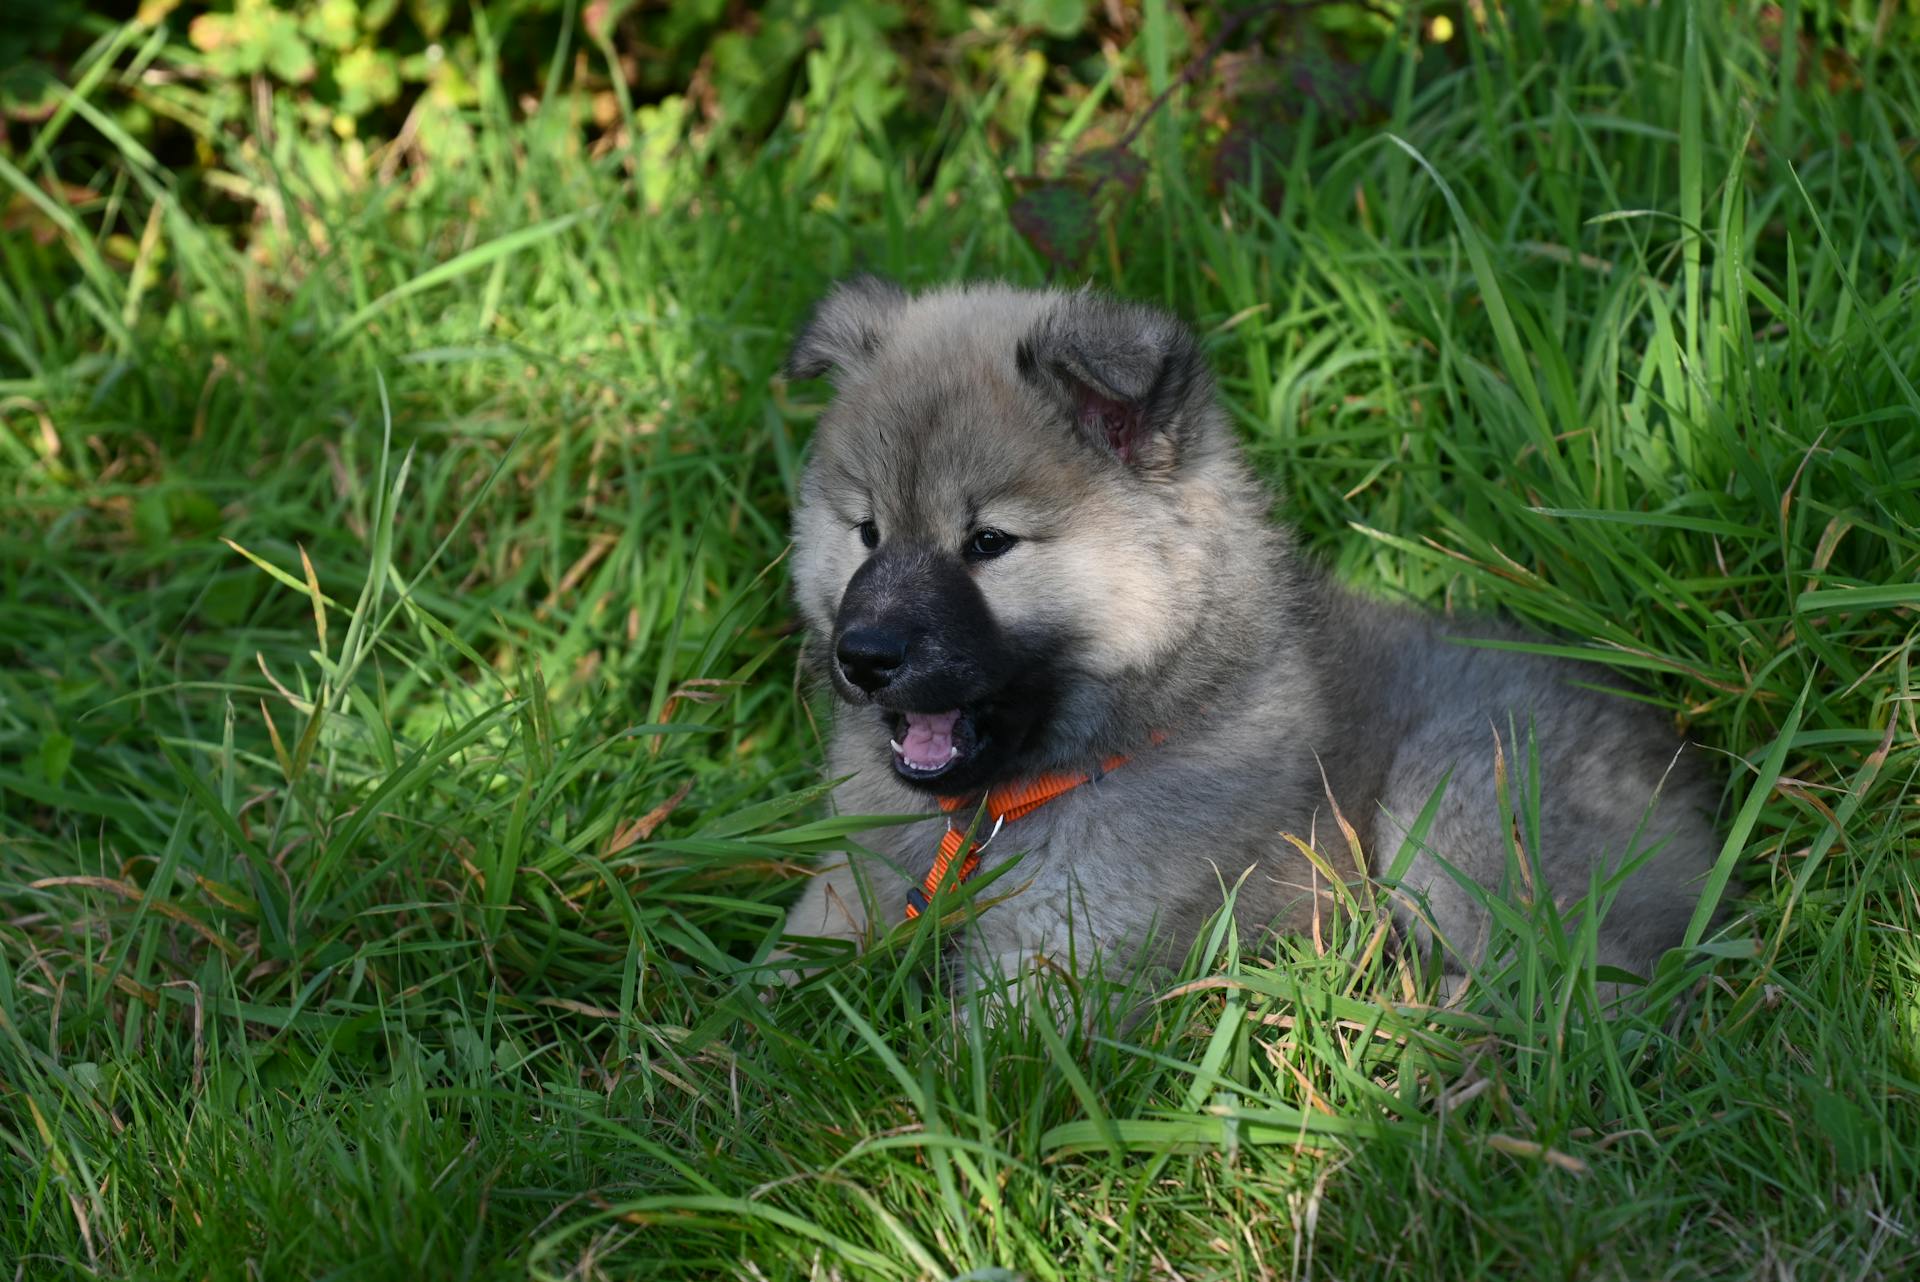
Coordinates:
(996,530)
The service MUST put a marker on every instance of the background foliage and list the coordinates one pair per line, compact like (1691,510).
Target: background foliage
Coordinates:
(401,767)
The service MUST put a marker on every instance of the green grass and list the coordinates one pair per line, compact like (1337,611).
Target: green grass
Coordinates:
(398,916)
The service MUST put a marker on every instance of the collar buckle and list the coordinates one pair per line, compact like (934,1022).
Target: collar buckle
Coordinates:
(983,843)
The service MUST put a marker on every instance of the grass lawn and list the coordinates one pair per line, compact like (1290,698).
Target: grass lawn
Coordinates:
(403,770)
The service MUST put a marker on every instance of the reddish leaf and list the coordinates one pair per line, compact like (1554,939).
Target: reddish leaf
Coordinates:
(1057,219)
(1334,85)
(1285,85)
(1257,144)
(1112,167)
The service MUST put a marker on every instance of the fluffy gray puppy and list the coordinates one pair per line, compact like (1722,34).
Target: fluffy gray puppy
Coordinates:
(1031,560)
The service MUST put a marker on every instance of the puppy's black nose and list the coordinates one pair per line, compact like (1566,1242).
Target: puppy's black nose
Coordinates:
(870,656)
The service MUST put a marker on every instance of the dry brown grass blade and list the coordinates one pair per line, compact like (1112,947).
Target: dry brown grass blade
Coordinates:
(642,828)
(166,908)
(1515,1147)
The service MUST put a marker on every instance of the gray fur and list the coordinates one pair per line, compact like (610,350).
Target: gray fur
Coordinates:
(1192,616)
(847,328)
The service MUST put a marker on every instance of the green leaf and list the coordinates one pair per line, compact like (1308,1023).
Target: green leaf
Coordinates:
(1882,596)
(763,813)
(430,16)
(376,14)
(474,259)
(151,520)
(1757,794)
(288,56)
(1846,1126)
(333,24)
(367,78)
(1057,17)
(56,753)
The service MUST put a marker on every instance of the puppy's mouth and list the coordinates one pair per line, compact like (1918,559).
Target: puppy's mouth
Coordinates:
(929,745)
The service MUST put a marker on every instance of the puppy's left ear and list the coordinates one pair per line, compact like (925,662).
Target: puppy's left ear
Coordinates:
(1131,377)
(847,328)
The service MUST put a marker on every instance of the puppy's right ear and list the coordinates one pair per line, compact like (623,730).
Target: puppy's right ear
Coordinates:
(1130,378)
(847,327)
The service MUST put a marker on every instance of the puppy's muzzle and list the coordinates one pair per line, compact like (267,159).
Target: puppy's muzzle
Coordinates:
(914,632)
(869,656)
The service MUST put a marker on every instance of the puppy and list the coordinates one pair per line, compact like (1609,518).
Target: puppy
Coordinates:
(1037,572)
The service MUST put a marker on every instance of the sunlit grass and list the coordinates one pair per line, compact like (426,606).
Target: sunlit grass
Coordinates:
(404,771)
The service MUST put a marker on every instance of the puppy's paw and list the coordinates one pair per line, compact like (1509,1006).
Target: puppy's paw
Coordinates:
(775,978)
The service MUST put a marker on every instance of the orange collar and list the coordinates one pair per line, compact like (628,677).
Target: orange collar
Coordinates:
(1004,804)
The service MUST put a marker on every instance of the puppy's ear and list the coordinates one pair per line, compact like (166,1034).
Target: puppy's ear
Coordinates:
(1131,378)
(847,328)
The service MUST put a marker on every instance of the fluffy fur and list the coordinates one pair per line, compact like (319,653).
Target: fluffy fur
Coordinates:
(1147,594)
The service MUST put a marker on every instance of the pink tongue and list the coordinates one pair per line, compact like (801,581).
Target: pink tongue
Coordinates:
(928,742)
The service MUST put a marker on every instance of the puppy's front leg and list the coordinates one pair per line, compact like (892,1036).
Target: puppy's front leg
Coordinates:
(856,897)
(831,907)
(1012,947)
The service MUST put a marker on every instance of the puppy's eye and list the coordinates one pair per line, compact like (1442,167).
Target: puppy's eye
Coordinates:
(869,534)
(986,544)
